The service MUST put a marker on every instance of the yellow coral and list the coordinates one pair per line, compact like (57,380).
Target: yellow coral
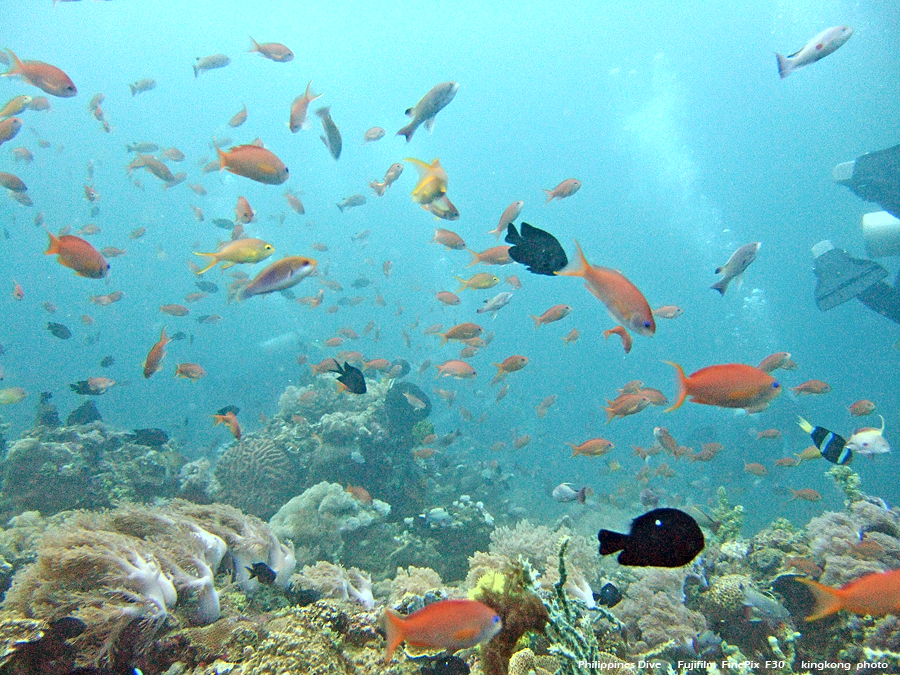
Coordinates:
(490,581)
(525,662)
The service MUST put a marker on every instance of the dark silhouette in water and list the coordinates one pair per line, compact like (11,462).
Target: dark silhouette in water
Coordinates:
(46,414)
(84,414)
(153,438)
(659,538)
(539,250)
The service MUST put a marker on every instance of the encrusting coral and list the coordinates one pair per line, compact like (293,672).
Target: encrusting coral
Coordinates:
(334,581)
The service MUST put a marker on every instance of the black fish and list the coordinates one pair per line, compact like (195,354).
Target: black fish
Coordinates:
(153,438)
(224,223)
(537,249)
(262,572)
(84,414)
(107,361)
(609,595)
(60,331)
(351,377)
(83,387)
(659,538)
(829,443)
(228,409)
(180,335)
(207,286)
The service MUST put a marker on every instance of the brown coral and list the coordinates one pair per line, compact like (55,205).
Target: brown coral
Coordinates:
(259,474)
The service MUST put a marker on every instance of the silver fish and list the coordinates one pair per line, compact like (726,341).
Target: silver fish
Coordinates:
(332,137)
(869,441)
(351,201)
(431,104)
(734,268)
(141,86)
(210,62)
(564,492)
(823,44)
(496,303)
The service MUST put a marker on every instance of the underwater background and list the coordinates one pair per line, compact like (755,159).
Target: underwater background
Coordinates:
(687,145)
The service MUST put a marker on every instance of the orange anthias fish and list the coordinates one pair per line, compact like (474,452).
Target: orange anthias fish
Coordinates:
(625,302)
(300,108)
(876,594)
(447,624)
(43,76)
(729,385)
(156,354)
(253,162)
(229,420)
(77,254)
(280,275)
(432,181)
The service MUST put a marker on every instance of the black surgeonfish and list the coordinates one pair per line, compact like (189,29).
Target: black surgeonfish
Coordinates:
(351,377)
(832,446)
(540,251)
(659,538)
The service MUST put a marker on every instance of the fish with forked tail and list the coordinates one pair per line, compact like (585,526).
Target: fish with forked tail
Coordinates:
(738,262)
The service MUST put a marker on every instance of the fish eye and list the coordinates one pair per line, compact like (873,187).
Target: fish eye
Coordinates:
(286,170)
(775,385)
(647,324)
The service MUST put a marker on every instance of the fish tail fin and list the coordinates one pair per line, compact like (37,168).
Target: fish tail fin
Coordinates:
(610,542)
(16,67)
(340,208)
(53,248)
(828,600)
(196,71)
(806,426)
(223,158)
(550,195)
(574,448)
(784,65)
(133,90)
(537,321)
(721,285)
(610,412)
(443,337)
(464,284)
(395,633)
(682,381)
(582,495)
(571,270)
(254,47)
(476,258)
(210,265)
(407,131)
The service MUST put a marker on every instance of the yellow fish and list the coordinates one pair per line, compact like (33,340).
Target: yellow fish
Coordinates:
(238,251)
(432,183)
(478,282)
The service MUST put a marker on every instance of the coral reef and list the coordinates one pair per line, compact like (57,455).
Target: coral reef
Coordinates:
(319,520)
(125,573)
(333,581)
(539,545)
(88,466)
(730,519)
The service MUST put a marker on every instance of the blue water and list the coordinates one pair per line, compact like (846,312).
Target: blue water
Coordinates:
(673,117)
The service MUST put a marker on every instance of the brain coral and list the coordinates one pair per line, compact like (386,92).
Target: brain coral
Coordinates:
(260,473)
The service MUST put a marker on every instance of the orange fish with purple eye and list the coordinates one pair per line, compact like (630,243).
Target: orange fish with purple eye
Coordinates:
(728,385)
(49,79)
(623,300)
(624,405)
(862,408)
